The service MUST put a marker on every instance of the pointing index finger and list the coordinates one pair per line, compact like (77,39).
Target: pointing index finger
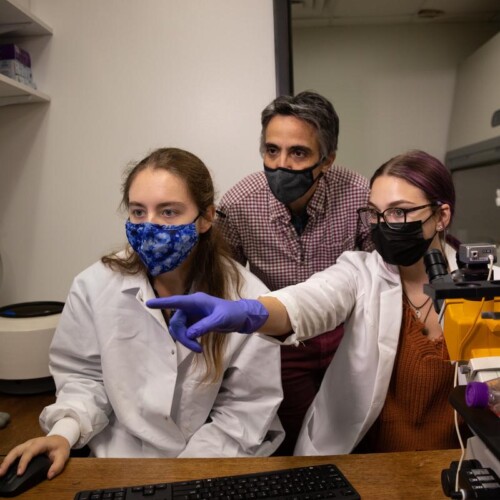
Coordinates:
(173,302)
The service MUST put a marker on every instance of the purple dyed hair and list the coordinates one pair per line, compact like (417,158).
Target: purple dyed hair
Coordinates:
(424,172)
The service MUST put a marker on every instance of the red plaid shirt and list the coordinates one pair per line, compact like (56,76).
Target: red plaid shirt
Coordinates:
(257,226)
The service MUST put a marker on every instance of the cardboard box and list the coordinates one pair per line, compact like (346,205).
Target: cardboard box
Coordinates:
(11,67)
(12,51)
(17,71)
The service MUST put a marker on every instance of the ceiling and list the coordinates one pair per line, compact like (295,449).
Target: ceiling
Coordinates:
(356,12)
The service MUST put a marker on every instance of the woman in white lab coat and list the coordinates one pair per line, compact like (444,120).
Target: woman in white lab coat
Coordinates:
(388,384)
(125,386)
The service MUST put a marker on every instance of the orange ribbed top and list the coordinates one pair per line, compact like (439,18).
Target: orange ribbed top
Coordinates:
(416,414)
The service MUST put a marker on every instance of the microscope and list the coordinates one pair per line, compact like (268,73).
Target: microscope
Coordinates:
(468,304)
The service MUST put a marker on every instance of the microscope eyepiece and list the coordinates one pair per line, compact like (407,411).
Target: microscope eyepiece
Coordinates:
(435,264)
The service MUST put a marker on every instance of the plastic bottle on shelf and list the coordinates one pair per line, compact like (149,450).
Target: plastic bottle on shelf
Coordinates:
(484,394)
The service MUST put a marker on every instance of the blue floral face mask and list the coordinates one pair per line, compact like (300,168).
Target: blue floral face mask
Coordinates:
(162,247)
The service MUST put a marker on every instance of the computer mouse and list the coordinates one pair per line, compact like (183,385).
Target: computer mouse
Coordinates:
(12,485)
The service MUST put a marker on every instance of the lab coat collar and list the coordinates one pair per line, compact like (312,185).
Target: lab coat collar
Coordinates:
(389,328)
(387,272)
(140,286)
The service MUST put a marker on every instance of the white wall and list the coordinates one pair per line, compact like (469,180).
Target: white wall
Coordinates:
(478,76)
(392,86)
(124,77)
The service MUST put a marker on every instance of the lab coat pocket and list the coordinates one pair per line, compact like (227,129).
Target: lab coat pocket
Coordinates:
(130,324)
(193,404)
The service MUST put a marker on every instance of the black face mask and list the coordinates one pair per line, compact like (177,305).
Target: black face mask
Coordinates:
(403,246)
(289,185)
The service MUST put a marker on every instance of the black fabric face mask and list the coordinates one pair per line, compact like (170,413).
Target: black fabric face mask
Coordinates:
(402,246)
(289,185)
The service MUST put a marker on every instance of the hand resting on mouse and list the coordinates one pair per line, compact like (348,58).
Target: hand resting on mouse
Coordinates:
(12,484)
(57,448)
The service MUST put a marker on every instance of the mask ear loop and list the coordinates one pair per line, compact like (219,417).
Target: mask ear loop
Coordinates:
(320,162)
(210,221)
(441,229)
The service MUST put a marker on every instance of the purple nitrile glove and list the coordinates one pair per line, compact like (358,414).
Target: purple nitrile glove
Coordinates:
(199,313)
(178,328)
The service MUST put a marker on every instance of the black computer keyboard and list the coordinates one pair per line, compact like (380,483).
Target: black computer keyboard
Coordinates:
(302,483)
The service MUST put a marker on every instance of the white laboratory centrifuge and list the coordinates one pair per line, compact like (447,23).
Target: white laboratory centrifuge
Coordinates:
(26,331)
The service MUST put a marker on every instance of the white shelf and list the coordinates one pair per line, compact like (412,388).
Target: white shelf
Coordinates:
(17,21)
(12,92)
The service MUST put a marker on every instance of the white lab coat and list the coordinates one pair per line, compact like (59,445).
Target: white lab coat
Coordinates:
(126,388)
(365,293)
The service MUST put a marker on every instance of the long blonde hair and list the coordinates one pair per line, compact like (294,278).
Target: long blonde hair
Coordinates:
(215,273)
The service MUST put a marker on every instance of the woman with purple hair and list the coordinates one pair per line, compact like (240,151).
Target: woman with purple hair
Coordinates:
(387,386)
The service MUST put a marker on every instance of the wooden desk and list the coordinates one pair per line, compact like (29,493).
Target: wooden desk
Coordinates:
(375,476)
(24,412)
(388,475)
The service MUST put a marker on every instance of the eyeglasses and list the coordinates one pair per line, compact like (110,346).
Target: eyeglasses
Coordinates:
(393,216)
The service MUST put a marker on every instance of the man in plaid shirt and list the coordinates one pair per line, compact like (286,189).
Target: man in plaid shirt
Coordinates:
(293,219)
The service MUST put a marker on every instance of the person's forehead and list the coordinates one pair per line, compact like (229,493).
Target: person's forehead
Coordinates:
(158,184)
(388,189)
(291,129)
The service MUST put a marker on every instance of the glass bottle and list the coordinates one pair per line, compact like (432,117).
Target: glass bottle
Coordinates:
(484,394)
